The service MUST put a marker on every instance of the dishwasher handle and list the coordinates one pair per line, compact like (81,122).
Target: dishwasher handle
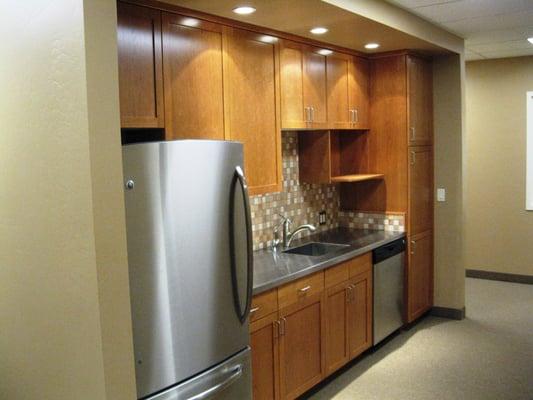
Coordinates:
(387,251)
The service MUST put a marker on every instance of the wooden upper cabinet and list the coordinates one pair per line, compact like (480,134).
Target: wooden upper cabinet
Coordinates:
(340,115)
(420,92)
(193,81)
(359,92)
(252,112)
(420,189)
(303,87)
(419,275)
(140,70)
(348,92)
(265,357)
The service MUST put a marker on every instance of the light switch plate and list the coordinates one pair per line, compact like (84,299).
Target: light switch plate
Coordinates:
(441,194)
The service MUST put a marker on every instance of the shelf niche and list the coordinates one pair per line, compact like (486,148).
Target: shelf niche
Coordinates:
(334,157)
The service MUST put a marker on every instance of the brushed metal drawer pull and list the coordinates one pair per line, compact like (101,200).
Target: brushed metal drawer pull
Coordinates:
(304,289)
(255,309)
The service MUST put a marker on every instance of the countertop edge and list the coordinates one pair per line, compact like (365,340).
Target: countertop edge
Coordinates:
(324,264)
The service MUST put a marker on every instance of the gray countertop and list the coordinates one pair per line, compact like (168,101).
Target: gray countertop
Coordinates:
(272,269)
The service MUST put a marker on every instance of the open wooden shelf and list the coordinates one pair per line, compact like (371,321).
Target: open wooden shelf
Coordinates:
(356,177)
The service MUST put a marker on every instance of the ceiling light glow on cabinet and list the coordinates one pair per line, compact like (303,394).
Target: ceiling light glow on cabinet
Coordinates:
(371,46)
(324,52)
(319,30)
(244,10)
(190,22)
(268,39)
(530,40)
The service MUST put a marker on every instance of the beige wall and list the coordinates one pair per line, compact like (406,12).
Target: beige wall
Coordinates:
(498,229)
(62,252)
(448,99)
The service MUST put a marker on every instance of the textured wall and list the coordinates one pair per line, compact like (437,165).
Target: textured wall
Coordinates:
(498,228)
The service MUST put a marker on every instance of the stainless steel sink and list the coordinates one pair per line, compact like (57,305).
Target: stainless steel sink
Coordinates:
(316,249)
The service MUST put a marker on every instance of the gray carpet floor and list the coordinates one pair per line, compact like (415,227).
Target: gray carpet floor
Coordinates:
(488,355)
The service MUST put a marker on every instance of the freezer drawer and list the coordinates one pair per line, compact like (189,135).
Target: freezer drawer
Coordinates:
(230,380)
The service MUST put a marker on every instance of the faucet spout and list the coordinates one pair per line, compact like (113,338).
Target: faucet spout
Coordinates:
(290,236)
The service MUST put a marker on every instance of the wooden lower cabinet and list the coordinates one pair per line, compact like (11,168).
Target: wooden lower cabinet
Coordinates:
(419,275)
(301,346)
(348,320)
(265,357)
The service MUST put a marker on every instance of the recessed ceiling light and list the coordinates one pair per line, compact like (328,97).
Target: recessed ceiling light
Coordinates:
(190,22)
(244,10)
(530,40)
(318,30)
(324,52)
(371,46)
(268,39)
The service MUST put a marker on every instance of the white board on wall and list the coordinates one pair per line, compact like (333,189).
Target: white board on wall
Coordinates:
(529,154)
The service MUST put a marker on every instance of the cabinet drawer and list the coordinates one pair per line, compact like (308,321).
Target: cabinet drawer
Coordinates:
(360,264)
(300,289)
(337,274)
(264,304)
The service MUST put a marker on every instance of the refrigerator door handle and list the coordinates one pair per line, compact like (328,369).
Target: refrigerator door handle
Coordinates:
(236,374)
(243,314)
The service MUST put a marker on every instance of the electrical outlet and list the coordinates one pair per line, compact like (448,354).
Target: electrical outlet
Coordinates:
(441,194)
(322,218)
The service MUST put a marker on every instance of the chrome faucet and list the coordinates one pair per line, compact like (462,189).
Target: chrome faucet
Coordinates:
(288,236)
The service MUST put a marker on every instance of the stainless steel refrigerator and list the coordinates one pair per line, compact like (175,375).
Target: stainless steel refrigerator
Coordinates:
(190,269)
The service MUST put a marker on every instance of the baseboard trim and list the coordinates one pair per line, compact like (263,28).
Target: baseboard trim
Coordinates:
(446,312)
(499,276)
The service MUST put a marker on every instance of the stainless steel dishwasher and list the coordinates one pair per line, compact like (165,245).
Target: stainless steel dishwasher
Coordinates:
(389,265)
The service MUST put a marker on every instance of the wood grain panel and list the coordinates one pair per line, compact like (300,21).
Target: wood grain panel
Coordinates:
(252,106)
(360,264)
(420,106)
(338,87)
(300,289)
(360,314)
(419,275)
(192,67)
(302,346)
(420,189)
(336,310)
(264,304)
(313,151)
(359,92)
(140,69)
(336,274)
(265,358)
(292,81)
(314,88)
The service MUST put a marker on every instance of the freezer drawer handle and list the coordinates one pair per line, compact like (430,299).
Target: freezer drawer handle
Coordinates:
(236,374)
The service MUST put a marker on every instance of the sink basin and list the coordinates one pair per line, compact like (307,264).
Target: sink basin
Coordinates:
(316,249)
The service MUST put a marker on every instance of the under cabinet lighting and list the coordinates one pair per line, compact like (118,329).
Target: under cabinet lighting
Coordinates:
(324,52)
(190,22)
(530,40)
(319,30)
(268,39)
(244,10)
(371,46)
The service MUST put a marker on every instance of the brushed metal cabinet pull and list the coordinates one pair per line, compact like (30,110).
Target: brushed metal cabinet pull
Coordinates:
(304,289)
(282,326)
(312,114)
(413,158)
(356,115)
(349,294)
(413,246)
(352,117)
(277,328)
(413,133)
(255,309)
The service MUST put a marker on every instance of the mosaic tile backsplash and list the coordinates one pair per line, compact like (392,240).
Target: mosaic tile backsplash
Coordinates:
(301,202)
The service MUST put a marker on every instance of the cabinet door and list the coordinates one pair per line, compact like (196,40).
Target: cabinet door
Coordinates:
(192,68)
(360,313)
(301,346)
(336,313)
(419,275)
(293,115)
(359,92)
(314,88)
(252,106)
(420,93)
(420,189)
(139,67)
(265,357)
(340,115)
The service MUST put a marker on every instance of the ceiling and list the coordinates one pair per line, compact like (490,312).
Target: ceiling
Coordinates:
(346,29)
(491,28)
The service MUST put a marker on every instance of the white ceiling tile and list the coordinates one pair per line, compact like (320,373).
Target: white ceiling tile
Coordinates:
(501,35)
(502,46)
(508,53)
(420,3)
(472,55)
(467,26)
